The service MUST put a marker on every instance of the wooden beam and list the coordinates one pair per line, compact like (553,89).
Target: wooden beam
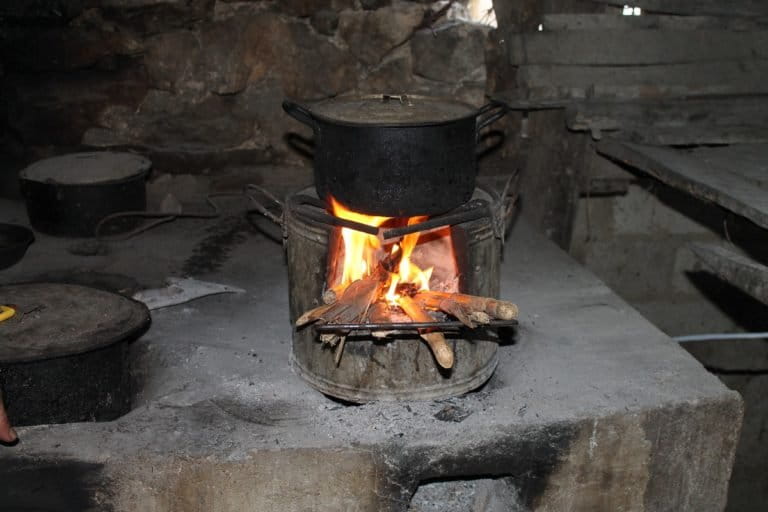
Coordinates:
(693,135)
(601,47)
(746,274)
(560,22)
(724,179)
(724,111)
(549,82)
(722,120)
(733,8)
(549,188)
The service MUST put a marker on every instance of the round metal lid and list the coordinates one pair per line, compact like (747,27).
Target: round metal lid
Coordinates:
(55,320)
(389,109)
(87,168)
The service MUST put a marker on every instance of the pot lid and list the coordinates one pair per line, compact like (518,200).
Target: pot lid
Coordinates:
(87,168)
(389,109)
(56,320)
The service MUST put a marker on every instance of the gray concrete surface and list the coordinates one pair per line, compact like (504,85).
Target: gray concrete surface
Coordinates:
(592,408)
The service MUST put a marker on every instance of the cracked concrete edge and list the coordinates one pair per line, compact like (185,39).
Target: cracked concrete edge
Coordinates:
(675,458)
(289,480)
(694,447)
(678,457)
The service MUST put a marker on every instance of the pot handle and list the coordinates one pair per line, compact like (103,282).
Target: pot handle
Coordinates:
(300,113)
(490,113)
(262,208)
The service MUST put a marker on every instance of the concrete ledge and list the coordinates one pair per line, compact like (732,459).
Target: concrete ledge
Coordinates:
(592,408)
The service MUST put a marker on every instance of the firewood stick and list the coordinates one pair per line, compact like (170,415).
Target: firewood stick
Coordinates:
(332,294)
(354,300)
(329,338)
(500,309)
(314,314)
(480,317)
(339,350)
(352,306)
(458,310)
(436,341)
(379,314)
(359,296)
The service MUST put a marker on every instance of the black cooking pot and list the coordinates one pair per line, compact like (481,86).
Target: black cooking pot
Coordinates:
(69,195)
(395,155)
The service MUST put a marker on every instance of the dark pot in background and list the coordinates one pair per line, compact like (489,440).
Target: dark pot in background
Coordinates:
(395,155)
(69,195)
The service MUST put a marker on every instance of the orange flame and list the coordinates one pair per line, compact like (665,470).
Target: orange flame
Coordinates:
(360,249)
(362,252)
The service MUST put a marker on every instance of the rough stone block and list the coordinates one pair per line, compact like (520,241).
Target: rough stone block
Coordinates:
(454,54)
(198,62)
(170,58)
(325,21)
(306,64)
(56,111)
(302,8)
(152,17)
(63,49)
(371,35)
(371,5)
(393,76)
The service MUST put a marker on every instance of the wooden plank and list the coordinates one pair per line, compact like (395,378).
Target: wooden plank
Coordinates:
(618,47)
(725,111)
(719,182)
(510,99)
(751,160)
(722,120)
(734,268)
(732,8)
(560,22)
(643,82)
(684,136)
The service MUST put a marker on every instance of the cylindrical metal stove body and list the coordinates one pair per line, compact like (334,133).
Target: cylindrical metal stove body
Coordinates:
(391,369)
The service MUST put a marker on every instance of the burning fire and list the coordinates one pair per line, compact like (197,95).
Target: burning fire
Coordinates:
(370,278)
(363,252)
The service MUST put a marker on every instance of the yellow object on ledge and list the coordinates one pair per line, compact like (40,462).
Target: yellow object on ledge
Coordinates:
(6,312)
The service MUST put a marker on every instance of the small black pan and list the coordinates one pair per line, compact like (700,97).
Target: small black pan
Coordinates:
(14,241)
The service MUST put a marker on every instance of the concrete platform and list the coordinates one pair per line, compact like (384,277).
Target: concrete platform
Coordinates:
(592,408)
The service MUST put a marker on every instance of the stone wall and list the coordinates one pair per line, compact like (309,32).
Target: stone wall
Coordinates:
(197,84)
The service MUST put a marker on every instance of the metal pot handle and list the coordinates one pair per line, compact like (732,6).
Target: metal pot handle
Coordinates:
(490,113)
(261,207)
(300,113)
